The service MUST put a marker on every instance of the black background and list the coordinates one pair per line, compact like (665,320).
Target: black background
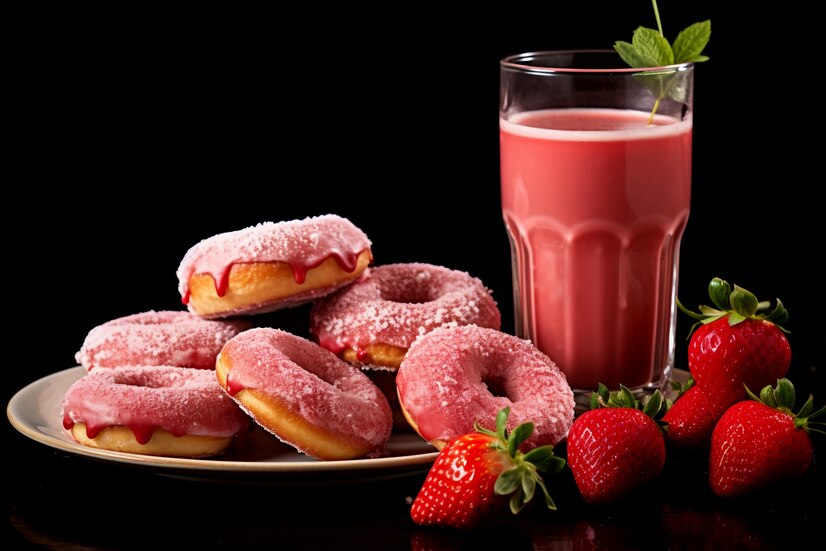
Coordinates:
(143,133)
(144,137)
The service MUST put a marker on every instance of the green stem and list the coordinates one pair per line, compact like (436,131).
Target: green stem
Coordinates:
(657,17)
(654,110)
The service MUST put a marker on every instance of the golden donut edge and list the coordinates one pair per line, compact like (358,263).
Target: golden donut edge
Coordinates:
(253,284)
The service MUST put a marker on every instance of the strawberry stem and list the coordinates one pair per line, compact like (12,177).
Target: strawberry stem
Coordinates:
(518,436)
(720,293)
(523,477)
(744,304)
(681,388)
(782,398)
(654,406)
(502,423)
(738,304)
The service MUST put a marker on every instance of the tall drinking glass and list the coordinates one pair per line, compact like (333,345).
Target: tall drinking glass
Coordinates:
(595,197)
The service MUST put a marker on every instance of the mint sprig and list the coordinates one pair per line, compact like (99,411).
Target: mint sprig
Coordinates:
(650,48)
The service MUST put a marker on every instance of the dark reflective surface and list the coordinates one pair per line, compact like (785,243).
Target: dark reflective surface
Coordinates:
(56,501)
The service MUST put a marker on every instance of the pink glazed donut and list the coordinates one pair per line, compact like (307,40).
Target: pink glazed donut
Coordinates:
(158,338)
(455,376)
(304,394)
(152,410)
(272,266)
(374,321)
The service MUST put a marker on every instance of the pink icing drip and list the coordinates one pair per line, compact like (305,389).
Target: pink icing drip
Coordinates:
(93,430)
(233,387)
(302,244)
(299,272)
(142,431)
(333,345)
(346,262)
(222,283)
(180,400)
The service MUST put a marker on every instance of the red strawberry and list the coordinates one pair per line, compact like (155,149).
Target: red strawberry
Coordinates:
(733,348)
(692,417)
(615,447)
(760,442)
(473,475)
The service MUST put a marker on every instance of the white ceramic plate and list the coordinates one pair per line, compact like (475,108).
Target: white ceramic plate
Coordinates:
(35,412)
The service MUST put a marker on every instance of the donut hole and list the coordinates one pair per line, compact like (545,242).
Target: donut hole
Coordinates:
(294,355)
(323,377)
(412,289)
(493,381)
(141,380)
(496,386)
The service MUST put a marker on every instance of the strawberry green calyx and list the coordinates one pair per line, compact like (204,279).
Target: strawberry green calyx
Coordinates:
(681,388)
(738,304)
(520,480)
(654,406)
(782,398)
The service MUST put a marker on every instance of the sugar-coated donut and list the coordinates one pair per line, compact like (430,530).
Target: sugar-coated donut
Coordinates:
(455,376)
(374,321)
(272,266)
(305,395)
(158,338)
(152,410)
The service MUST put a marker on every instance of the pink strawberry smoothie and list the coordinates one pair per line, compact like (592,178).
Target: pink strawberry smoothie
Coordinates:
(595,202)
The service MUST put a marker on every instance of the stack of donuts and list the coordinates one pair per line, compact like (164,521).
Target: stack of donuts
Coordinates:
(395,347)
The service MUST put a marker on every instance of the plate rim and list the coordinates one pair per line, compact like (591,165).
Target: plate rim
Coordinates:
(34,389)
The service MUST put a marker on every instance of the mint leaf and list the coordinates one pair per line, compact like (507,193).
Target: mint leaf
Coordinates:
(649,48)
(652,47)
(629,54)
(689,44)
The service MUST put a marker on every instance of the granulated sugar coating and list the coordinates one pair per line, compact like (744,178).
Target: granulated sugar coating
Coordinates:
(303,244)
(308,381)
(158,338)
(453,377)
(397,303)
(179,400)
